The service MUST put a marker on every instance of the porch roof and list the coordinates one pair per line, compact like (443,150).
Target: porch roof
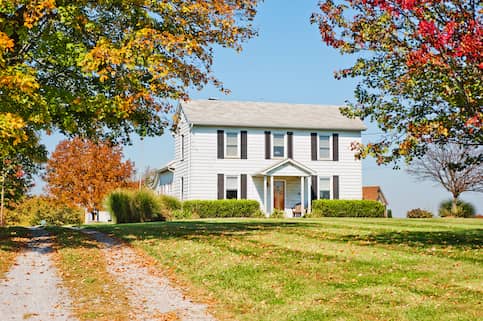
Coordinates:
(287,167)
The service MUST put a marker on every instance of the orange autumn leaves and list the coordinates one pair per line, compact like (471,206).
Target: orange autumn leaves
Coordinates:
(82,173)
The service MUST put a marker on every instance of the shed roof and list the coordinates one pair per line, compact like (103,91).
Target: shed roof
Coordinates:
(268,115)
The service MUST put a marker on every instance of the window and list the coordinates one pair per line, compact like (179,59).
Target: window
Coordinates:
(182,189)
(231,187)
(278,145)
(324,147)
(231,144)
(324,188)
(182,147)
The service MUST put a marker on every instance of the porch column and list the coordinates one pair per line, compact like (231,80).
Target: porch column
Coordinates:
(302,198)
(309,194)
(271,195)
(265,200)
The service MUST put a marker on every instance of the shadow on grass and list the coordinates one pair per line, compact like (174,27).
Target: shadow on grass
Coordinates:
(468,238)
(13,238)
(71,238)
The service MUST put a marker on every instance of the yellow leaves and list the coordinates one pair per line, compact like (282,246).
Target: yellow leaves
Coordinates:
(6,43)
(12,128)
(36,10)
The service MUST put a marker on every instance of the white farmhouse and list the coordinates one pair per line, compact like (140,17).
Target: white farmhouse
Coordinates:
(282,155)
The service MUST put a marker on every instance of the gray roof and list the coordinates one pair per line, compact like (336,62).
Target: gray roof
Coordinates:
(267,115)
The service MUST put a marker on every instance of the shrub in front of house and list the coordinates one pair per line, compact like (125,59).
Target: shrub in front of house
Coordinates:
(221,208)
(146,206)
(128,206)
(419,213)
(171,207)
(277,214)
(463,209)
(346,208)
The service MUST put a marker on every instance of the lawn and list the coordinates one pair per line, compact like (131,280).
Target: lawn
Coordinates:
(327,269)
(12,240)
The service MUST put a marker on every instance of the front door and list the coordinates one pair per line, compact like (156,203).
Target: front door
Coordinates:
(279,195)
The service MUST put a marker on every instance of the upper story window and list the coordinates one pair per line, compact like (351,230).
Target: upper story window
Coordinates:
(324,188)
(231,144)
(231,187)
(278,145)
(324,147)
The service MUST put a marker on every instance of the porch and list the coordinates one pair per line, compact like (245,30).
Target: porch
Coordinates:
(284,186)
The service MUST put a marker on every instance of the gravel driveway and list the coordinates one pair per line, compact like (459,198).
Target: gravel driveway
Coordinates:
(151,295)
(32,288)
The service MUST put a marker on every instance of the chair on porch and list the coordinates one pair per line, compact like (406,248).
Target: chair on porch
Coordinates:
(297,210)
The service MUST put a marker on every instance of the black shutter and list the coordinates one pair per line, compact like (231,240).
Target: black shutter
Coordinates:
(221,144)
(221,186)
(244,154)
(335,183)
(243,192)
(267,145)
(313,145)
(290,144)
(335,147)
(314,186)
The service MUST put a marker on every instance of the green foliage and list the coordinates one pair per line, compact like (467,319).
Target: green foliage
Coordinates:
(128,206)
(170,205)
(277,214)
(182,215)
(118,204)
(389,213)
(34,210)
(145,206)
(221,208)
(419,213)
(346,208)
(463,209)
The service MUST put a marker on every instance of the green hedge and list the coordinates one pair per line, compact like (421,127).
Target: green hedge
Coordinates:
(346,208)
(221,208)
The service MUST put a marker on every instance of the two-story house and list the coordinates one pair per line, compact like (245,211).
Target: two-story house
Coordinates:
(281,155)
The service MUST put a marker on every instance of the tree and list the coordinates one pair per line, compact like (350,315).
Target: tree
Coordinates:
(20,158)
(445,166)
(420,67)
(82,173)
(110,68)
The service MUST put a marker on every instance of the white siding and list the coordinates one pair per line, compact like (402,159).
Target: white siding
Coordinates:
(182,162)
(205,166)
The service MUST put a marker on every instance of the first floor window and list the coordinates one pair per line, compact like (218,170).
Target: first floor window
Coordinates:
(231,187)
(324,147)
(278,145)
(182,189)
(324,188)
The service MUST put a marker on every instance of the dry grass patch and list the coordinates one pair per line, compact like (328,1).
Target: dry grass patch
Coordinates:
(82,265)
(12,240)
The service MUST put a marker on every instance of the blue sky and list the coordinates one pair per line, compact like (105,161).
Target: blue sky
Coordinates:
(288,62)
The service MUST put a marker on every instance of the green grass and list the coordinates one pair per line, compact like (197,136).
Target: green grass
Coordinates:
(12,239)
(323,269)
